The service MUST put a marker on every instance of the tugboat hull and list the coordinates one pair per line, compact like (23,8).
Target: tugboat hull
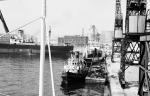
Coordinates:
(69,77)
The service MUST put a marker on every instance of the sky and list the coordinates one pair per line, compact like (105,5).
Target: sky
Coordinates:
(66,17)
(73,15)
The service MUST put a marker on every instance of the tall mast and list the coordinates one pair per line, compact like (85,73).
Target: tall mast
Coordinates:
(42,49)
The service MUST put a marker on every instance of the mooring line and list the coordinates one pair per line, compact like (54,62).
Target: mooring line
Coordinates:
(23,26)
(50,62)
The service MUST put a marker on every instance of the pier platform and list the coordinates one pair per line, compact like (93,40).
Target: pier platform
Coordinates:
(115,87)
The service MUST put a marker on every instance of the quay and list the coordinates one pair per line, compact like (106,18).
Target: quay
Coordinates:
(115,86)
(130,42)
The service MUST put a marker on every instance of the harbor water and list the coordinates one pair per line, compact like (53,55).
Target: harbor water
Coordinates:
(19,76)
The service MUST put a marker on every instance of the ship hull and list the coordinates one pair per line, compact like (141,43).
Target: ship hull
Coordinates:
(32,49)
(69,77)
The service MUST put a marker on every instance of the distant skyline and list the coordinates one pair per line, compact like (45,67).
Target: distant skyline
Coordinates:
(66,17)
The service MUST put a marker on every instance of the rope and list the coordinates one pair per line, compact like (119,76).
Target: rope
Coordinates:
(50,62)
(16,30)
(23,26)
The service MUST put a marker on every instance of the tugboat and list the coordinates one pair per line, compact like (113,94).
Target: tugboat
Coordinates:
(75,70)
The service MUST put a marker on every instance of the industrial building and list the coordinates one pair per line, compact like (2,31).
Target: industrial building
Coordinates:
(77,41)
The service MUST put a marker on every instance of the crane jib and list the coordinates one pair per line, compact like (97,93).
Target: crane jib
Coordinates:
(3,22)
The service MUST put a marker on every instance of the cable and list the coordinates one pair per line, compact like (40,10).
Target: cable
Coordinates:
(50,62)
(23,26)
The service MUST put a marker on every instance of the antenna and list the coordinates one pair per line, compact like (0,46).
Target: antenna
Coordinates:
(82,31)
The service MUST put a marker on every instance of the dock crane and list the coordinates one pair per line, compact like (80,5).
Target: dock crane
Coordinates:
(118,30)
(144,66)
(134,28)
(3,22)
(135,46)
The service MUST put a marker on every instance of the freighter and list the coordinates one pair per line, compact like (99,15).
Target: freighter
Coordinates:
(32,49)
(12,43)
(20,43)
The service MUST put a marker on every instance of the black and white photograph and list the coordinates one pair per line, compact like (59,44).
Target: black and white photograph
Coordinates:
(74,47)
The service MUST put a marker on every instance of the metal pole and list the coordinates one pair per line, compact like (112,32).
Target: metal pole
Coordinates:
(42,49)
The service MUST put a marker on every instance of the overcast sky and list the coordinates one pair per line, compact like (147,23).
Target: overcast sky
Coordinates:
(66,17)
